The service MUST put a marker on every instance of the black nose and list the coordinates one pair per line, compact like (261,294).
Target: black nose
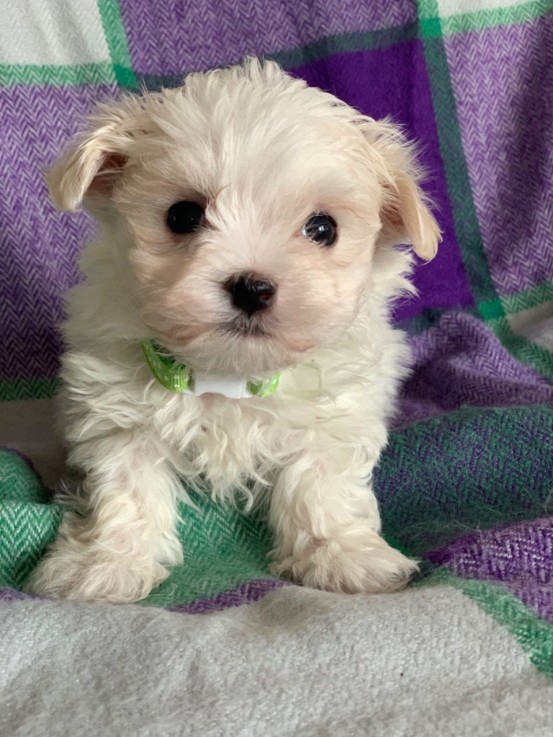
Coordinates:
(250,294)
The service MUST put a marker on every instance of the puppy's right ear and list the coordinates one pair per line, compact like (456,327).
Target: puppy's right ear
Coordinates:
(93,164)
(405,213)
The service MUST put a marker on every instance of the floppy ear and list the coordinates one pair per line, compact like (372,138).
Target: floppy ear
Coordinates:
(405,212)
(93,164)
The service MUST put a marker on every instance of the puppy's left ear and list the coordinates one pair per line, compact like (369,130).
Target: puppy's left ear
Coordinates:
(405,212)
(91,167)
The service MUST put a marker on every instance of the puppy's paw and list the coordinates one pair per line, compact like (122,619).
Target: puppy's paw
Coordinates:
(95,576)
(350,564)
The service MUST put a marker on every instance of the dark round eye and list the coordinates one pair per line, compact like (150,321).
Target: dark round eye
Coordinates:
(321,228)
(185,217)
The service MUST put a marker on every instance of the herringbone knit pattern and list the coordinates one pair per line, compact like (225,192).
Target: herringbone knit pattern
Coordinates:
(467,479)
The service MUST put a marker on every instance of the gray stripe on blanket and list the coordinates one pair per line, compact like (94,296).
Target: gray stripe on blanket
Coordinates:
(299,662)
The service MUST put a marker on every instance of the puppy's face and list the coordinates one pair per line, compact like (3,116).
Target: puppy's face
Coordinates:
(252,238)
(251,207)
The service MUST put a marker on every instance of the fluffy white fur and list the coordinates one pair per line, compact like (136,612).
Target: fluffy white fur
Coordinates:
(261,152)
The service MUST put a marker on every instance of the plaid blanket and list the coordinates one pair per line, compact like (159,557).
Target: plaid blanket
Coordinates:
(467,478)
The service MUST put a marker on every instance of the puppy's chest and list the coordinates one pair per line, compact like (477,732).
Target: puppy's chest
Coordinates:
(222,438)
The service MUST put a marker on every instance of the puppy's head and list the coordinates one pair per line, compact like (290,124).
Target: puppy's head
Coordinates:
(250,207)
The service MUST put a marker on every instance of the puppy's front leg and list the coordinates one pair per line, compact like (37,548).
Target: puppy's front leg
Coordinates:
(112,547)
(326,526)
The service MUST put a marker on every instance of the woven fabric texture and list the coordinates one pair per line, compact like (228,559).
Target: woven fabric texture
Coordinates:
(467,480)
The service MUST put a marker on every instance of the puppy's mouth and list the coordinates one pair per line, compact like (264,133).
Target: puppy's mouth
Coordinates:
(246,328)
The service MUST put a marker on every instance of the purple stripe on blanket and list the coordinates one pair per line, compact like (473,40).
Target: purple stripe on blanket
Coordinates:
(396,84)
(246,593)
(39,246)
(460,362)
(13,595)
(503,84)
(518,556)
(24,457)
(172,37)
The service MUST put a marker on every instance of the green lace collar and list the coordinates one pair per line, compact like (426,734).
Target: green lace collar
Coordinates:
(178,378)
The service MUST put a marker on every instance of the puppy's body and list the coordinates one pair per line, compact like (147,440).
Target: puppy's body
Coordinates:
(261,153)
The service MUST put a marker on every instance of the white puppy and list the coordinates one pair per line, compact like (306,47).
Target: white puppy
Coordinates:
(232,333)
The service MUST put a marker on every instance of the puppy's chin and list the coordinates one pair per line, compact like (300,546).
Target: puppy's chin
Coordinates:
(242,351)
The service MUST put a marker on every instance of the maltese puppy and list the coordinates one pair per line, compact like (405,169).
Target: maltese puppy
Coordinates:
(232,333)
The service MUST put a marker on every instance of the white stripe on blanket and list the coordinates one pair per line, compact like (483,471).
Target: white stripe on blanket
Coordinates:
(51,32)
(459,7)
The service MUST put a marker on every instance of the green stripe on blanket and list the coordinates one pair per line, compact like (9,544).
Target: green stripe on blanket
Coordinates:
(222,547)
(437,480)
(533,634)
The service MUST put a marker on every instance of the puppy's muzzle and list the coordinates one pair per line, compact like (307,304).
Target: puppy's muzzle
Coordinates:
(250,294)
